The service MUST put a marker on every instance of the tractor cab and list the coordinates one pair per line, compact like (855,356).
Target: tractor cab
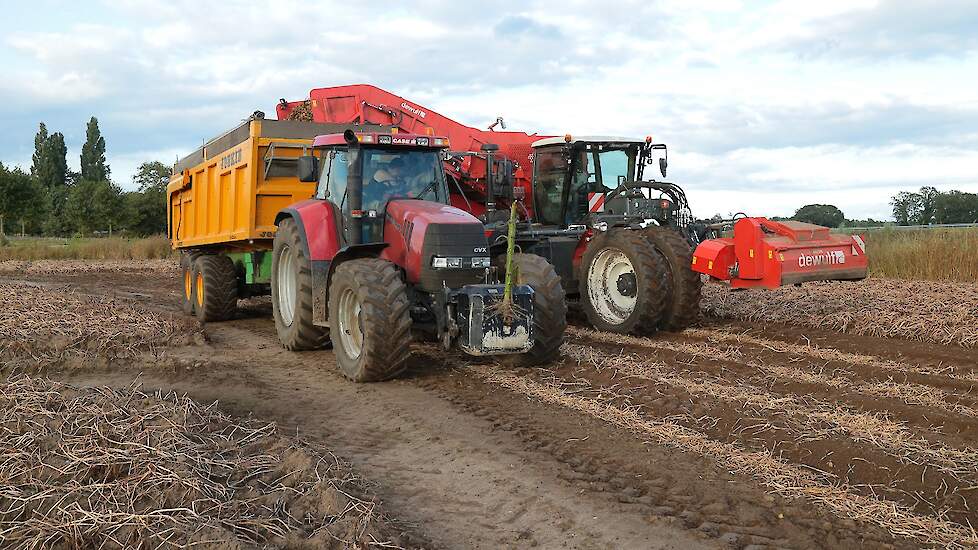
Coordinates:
(591,180)
(381,168)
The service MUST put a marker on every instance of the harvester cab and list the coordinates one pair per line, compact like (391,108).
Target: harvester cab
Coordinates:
(598,182)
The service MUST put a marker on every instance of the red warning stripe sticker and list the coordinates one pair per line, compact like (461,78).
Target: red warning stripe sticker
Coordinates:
(860,245)
(595,202)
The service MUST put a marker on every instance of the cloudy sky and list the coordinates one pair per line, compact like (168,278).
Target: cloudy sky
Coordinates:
(766,105)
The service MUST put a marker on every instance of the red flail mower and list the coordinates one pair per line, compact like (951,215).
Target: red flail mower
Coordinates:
(769,254)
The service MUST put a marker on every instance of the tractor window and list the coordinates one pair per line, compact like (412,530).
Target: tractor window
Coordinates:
(402,173)
(550,169)
(333,181)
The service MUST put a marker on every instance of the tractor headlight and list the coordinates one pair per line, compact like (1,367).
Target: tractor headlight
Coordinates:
(480,263)
(441,262)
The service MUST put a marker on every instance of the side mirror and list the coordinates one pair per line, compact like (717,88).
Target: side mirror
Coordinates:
(307,169)
(662,166)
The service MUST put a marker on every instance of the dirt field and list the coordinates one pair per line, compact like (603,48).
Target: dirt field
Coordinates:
(738,434)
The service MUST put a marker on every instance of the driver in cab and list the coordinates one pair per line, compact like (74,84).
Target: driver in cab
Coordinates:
(386,182)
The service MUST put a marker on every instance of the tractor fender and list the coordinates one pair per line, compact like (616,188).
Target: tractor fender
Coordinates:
(322,241)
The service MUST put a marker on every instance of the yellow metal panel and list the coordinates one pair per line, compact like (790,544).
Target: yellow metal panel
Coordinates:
(226,198)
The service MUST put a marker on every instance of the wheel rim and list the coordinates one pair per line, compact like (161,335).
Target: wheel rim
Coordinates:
(611,286)
(287,284)
(351,333)
(200,289)
(188,284)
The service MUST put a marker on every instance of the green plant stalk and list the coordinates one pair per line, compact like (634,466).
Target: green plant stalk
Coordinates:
(507,304)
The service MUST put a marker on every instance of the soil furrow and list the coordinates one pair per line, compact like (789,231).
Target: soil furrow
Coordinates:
(784,478)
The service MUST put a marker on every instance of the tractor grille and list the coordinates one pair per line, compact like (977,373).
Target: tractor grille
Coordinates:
(455,240)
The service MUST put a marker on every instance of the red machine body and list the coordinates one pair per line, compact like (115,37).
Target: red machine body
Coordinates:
(366,104)
(769,254)
(762,253)
(406,226)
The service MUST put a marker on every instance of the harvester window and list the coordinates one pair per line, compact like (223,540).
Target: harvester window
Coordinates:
(548,186)
(613,164)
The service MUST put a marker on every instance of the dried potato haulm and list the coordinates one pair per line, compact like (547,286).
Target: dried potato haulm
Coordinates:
(45,326)
(120,468)
(945,313)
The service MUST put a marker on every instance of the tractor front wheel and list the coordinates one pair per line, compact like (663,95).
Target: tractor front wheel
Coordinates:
(549,309)
(370,320)
(624,283)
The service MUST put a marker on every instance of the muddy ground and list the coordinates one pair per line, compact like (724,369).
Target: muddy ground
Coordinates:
(732,435)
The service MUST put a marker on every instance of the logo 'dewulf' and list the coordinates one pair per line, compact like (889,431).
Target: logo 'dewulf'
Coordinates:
(414,110)
(829,257)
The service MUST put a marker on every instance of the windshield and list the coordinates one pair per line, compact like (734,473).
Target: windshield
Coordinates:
(401,173)
(603,165)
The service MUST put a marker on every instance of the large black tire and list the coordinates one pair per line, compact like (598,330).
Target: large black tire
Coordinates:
(549,309)
(216,288)
(683,305)
(634,300)
(373,344)
(188,295)
(293,308)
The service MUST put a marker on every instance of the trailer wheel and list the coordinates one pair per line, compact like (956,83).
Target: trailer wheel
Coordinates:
(189,295)
(292,292)
(683,305)
(215,288)
(624,283)
(549,310)
(370,319)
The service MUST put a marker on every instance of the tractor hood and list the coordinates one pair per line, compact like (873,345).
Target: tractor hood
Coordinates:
(419,231)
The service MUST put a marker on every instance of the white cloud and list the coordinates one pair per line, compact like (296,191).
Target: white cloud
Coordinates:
(764,105)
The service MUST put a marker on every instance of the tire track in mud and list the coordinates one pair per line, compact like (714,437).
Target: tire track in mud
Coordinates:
(915,478)
(943,372)
(843,380)
(813,417)
(785,479)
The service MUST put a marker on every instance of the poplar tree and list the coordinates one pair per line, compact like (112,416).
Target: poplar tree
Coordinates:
(93,165)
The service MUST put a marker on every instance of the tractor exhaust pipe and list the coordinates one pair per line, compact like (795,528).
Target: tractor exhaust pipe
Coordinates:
(354,189)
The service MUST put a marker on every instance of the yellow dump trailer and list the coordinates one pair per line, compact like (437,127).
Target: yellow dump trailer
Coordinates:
(222,201)
(227,193)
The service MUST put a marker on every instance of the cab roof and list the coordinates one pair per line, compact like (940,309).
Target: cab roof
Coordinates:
(382,138)
(560,140)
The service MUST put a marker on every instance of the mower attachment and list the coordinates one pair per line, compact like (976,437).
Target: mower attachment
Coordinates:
(769,254)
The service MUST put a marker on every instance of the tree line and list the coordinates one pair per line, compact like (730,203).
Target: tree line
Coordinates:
(926,207)
(53,200)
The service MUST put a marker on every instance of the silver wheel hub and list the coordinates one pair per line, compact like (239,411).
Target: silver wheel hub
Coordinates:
(612,286)
(287,283)
(351,330)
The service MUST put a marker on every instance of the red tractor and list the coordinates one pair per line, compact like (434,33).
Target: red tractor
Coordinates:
(621,244)
(378,254)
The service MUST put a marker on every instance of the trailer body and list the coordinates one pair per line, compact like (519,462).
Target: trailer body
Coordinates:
(225,195)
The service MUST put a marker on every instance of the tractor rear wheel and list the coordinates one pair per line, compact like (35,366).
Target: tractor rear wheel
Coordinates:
(549,309)
(292,292)
(370,320)
(624,283)
(215,288)
(683,305)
